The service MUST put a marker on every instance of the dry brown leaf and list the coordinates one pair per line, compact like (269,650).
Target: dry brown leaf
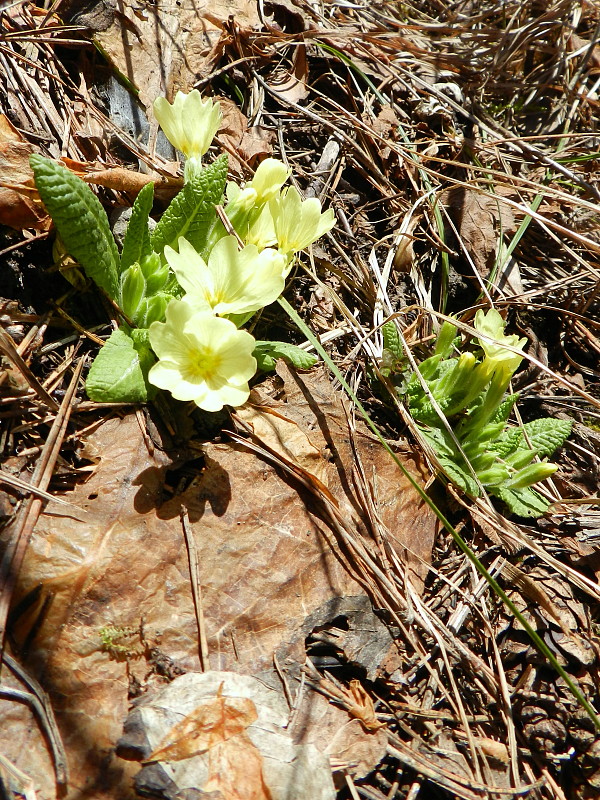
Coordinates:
(244,145)
(330,728)
(235,771)
(19,201)
(293,83)
(210,724)
(262,761)
(169,46)
(480,221)
(263,568)
(264,565)
(361,707)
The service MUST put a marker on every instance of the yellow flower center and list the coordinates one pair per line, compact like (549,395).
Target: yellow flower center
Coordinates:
(201,365)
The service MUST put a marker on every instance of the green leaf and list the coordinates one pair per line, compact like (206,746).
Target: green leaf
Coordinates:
(136,244)
(391,339)
(547,434)
(523,502)
(504,409)
(446,339)
(267,353)
(459,477)
(192,212)
(80,220)
(117,374)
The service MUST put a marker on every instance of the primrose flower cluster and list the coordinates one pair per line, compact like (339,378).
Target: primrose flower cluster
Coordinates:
(469,389)
(203,355)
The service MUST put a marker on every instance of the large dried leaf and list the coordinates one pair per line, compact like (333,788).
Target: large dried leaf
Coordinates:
(170,45)
(210,724)
(18,206)
(263,561)
(481,223)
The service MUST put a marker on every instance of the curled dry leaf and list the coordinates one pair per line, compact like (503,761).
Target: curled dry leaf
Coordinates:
(166,47)
(210,724)
(20,206)
(250,145)
(481,222)
(247,753)
(293,83)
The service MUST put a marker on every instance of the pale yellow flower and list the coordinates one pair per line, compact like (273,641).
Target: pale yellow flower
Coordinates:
(268,179)
(233,282)
(298,223)
(497,356)
(190,124)
(202,358)
(262,231)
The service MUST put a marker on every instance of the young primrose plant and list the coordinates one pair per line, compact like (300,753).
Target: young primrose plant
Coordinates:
(470,390)
(186,289)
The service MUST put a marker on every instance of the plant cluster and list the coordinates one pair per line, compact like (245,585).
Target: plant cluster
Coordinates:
(186,289)
(461,406)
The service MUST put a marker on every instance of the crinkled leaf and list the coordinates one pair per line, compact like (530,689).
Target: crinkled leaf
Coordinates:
(267,353)
(523,502)
(136,244)
(459,477)
(422,409)
(505,407)
(547,434)
(80,220)
(117,374)
(439,439)
(506,442)
(191,213)
(391,339)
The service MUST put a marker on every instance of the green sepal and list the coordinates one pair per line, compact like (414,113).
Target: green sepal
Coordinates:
(519,457)
(133,289)
(530,474)
(155,273)
(119,371)
(136,244)
(493,476)
(523,502)
(191,213)
(446,339)
(152,309)
(80,220)
(267,353)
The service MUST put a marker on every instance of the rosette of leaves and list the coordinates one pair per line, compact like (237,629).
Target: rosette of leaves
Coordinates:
(138,280)
(474,444)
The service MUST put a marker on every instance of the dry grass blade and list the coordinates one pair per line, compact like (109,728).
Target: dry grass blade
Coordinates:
(8,349)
